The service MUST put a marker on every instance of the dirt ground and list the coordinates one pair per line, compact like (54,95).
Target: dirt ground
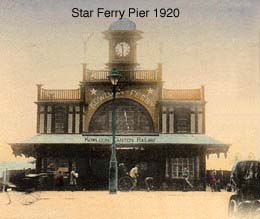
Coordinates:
(74,205)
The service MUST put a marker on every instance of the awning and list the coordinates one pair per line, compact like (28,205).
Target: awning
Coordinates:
(213,145)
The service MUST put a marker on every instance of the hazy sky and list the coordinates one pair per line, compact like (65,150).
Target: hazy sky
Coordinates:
(214,42)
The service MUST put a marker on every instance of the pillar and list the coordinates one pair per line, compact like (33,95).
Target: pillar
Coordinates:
(202,157)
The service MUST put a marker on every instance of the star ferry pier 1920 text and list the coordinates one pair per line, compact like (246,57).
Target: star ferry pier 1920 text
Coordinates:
(130,12)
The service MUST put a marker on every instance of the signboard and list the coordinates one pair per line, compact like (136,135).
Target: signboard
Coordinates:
(144,98)
(120,139)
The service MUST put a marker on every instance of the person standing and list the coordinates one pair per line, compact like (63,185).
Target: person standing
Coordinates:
(185,175)
(73,179)
(134,174)
(59,181)
(213,181)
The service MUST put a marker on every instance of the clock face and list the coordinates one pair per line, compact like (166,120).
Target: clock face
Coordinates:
(122,49)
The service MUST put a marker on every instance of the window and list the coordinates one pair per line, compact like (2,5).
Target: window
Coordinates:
(57,164)
(131,117)
(70,109)
(60,119)
(49,109)
(77,109)
(42,109)
(175,167)
(182,121)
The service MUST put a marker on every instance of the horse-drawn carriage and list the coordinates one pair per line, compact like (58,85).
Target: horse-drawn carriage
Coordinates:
(245,182)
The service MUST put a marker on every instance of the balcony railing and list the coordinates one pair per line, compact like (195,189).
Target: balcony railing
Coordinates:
(136,75)
(44,94)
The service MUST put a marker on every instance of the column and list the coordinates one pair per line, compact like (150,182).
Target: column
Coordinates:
(171,120)
(192,121)
(200,121)
(44,164)
(202,168)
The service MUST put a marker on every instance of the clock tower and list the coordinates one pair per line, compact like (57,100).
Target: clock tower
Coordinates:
(122,36)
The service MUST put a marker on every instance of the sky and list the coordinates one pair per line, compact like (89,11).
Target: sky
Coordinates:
(213,43)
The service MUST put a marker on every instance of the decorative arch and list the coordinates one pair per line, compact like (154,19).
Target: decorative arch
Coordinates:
(131,118)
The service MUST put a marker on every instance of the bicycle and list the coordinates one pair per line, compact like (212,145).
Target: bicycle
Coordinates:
(127,183)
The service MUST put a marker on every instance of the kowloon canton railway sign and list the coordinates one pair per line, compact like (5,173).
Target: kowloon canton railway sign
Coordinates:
(120,139)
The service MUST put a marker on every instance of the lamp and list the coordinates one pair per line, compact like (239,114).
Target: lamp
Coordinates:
(113,169)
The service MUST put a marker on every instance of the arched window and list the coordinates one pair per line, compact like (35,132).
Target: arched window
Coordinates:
(60,119)
(182,121)
(131,117)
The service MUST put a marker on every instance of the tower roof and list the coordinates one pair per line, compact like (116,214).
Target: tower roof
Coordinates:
(123,24)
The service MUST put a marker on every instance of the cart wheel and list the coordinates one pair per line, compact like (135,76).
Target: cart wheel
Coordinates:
(125,184)
(29,198)
(233,206)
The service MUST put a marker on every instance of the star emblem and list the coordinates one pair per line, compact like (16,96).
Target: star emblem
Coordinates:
(93,91)
(150,91)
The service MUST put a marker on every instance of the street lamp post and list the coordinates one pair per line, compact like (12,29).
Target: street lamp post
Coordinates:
(113,170)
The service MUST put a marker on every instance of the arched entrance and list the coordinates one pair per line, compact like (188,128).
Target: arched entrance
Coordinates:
(131,118)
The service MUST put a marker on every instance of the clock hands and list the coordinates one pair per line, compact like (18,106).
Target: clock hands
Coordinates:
(122,48)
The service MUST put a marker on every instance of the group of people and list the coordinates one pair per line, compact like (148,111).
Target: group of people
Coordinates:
(59,180)
(149,181)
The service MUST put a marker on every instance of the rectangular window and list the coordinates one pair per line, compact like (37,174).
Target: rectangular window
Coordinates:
(57,164)
(42,109)
(49,109)
(61,119)
(71,109)
(177,167)
(77,109)
(59,127)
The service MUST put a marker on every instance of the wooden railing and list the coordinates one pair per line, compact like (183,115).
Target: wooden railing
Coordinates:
(45,94)
(136,75)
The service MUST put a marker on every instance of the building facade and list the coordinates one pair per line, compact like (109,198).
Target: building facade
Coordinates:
(163,130)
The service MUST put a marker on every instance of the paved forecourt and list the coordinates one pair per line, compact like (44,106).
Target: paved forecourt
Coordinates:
(88,204)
